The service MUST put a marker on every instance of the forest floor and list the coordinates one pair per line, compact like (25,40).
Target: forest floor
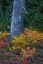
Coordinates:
(14,58)
(25,49)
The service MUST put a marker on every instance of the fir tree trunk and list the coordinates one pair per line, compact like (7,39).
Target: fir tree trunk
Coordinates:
(17,24)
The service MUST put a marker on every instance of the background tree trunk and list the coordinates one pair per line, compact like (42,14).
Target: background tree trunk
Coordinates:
(17,24)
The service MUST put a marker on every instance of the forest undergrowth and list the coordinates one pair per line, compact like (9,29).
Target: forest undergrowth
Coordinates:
(24,49)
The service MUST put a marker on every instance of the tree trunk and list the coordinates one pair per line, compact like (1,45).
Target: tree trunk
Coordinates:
(17,24)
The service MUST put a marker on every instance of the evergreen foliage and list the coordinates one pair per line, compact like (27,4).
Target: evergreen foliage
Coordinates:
(33,16)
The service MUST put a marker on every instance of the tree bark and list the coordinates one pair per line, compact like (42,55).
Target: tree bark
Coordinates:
(17,24)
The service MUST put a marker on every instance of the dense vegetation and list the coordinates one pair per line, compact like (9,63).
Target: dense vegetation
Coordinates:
(33,16)
(24,48)
(28,47)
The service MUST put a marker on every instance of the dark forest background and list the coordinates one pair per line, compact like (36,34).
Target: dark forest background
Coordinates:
(33,17)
